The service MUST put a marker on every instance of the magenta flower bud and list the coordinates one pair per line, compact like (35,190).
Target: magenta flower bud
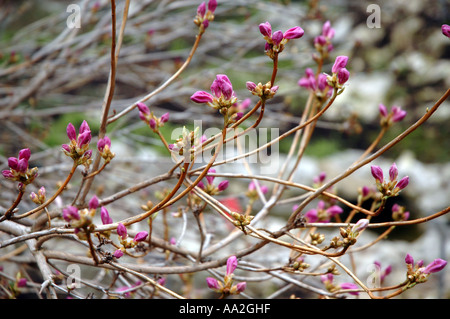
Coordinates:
(222,186)
(205,24)
(13,163)
(274,89)
(377,173)
(25,154)
(328,278)
(398,114)
(393,172)
(348,285)
(93,203)
(22,282)
(446,30)
(122,231)
(201,9)
(403,182)
(334,210)
(66,148)
(250,86)
(339,63)
(212,5)
(70,213)
(343,75)
(231,265)
(22,165)
(212,283)
(327,30)
(118,253)
(141,236)
(277,36)
(240,287)
(202,97)
(71,132)
(152,123)
(84,138)
(143,108)
(435,266)
(294,33)
(164,118)
(409,259)
(7,174)
(320,40)
(201,185)
(104,215)
(383,110)
(84,127)
(265,29)
(311,216)
(210,179)
(87,154)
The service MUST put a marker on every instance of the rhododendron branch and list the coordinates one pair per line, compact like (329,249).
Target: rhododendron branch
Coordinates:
(369,159)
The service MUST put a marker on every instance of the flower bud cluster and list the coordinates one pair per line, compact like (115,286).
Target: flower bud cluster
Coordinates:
(264,91)
(318,85)
(189,141)
(19,170)
(38,198)
(252,192)
(126,242)
(81,219)
(223,98)
(418,273)
(226,286)
(150,119)
(241,220)
(298,264)
(204,16)
(78,149)
(399,213)
(322,42)
(328,281)
(321,214)
(276,41)
(104,148)
(388,118)
(210,188)
(340,74)
(392,187)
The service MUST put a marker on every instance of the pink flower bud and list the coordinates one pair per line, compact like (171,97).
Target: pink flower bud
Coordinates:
(84,139)
(277,36)
(266,29)
(360,225)
(164,118)
(122,231)
(343,75)
(70,213)
(334,210)
(311,216)
(143,108)
(84,127)
(212,5)
(7,174)
(393,172)
(104,215)
(339,63)
(201,9)
(250,86)
(118,253)
(25,154)
(13,163)
(409,259)
(446,30)
(294,33)
(348,285)
(377,173)
(210,179)
(383,110)
(93,203)
(398,114)
(22,165)
(403,182)
(435,266)
(202,97)
(141,236)
(152,123)
(22,282)
(222,186)
(231,265)
(240,287)
(71,132)
(212,283)
(327,30)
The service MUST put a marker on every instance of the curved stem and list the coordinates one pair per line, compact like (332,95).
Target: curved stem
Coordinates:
(10,210)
